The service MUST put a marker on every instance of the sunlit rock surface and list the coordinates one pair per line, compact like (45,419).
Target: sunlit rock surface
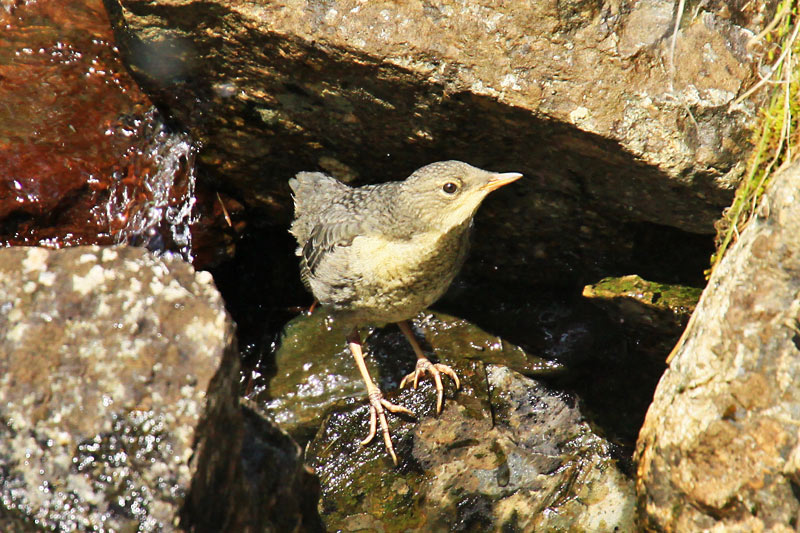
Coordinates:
(617,134)
(119,400)
(720,448)
(507,451)
(506,454)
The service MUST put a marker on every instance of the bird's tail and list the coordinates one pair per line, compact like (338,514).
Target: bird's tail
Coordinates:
(313,191)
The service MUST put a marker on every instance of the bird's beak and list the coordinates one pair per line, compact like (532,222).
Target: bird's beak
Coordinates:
(498,180)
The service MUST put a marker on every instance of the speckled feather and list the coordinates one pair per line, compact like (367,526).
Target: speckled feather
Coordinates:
(382,253)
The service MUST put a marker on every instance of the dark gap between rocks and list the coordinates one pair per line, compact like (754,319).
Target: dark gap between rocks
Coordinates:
(613,372)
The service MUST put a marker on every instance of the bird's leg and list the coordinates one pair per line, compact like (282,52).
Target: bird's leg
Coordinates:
(424,365)
(376,401)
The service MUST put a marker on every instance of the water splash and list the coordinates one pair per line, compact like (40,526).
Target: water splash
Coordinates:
(151,200)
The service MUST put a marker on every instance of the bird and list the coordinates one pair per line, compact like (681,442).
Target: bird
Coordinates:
(380,254)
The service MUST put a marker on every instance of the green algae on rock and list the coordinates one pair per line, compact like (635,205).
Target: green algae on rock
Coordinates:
(314,372)
(452,337)
(507,453)
(679,299)
(657,312)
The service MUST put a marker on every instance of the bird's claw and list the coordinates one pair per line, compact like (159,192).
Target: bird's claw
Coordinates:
(378,406)
(436,370)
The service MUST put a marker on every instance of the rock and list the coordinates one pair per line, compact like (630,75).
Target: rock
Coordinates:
(649,312)
(314,371)
(567,341)
(580,97)
(85,126)
(525,440)
(720,445)
(119,400)
(515,456)
(116,173)
(281,493)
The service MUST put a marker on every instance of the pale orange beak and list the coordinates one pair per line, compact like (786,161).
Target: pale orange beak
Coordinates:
(498,180)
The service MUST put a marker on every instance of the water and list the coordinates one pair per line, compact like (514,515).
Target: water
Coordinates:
(85,158)
(157,209)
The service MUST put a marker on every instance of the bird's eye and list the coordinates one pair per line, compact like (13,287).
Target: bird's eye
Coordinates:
(450,187)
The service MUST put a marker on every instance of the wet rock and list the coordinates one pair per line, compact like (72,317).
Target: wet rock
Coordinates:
(281,493)
(614,130)
(646,310)
(564,340)
(506,454)
(719,448)
(119,400)
(84,124)
(314,371)
(116,173)
(507,451)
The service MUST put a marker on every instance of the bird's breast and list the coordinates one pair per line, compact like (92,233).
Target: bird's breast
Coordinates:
(379,279)
(422,259)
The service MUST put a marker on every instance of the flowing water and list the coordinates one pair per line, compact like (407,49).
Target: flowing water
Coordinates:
(85,158)
(156,210)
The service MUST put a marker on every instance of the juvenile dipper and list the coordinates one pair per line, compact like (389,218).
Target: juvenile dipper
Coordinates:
(382,253)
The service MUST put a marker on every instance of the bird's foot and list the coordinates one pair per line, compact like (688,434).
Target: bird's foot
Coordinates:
(436,370)
(378,406)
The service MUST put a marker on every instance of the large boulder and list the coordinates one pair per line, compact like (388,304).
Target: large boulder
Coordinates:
(720,448)
(119,404)
(616,132)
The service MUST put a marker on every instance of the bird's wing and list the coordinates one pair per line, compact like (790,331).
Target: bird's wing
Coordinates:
(325,236)
(329,215)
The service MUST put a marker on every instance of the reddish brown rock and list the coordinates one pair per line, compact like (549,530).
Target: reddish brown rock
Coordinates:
(84,158)
(65,97)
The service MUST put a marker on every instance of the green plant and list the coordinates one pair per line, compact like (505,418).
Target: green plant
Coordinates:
(776,138)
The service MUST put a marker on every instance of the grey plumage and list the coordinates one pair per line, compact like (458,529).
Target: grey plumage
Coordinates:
(381,253)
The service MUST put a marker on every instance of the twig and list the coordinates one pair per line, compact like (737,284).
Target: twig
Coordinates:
(790,59)
(224,211)
(674,43)
(773,68)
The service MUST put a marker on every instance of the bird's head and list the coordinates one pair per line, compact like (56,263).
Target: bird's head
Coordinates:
(446,194)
